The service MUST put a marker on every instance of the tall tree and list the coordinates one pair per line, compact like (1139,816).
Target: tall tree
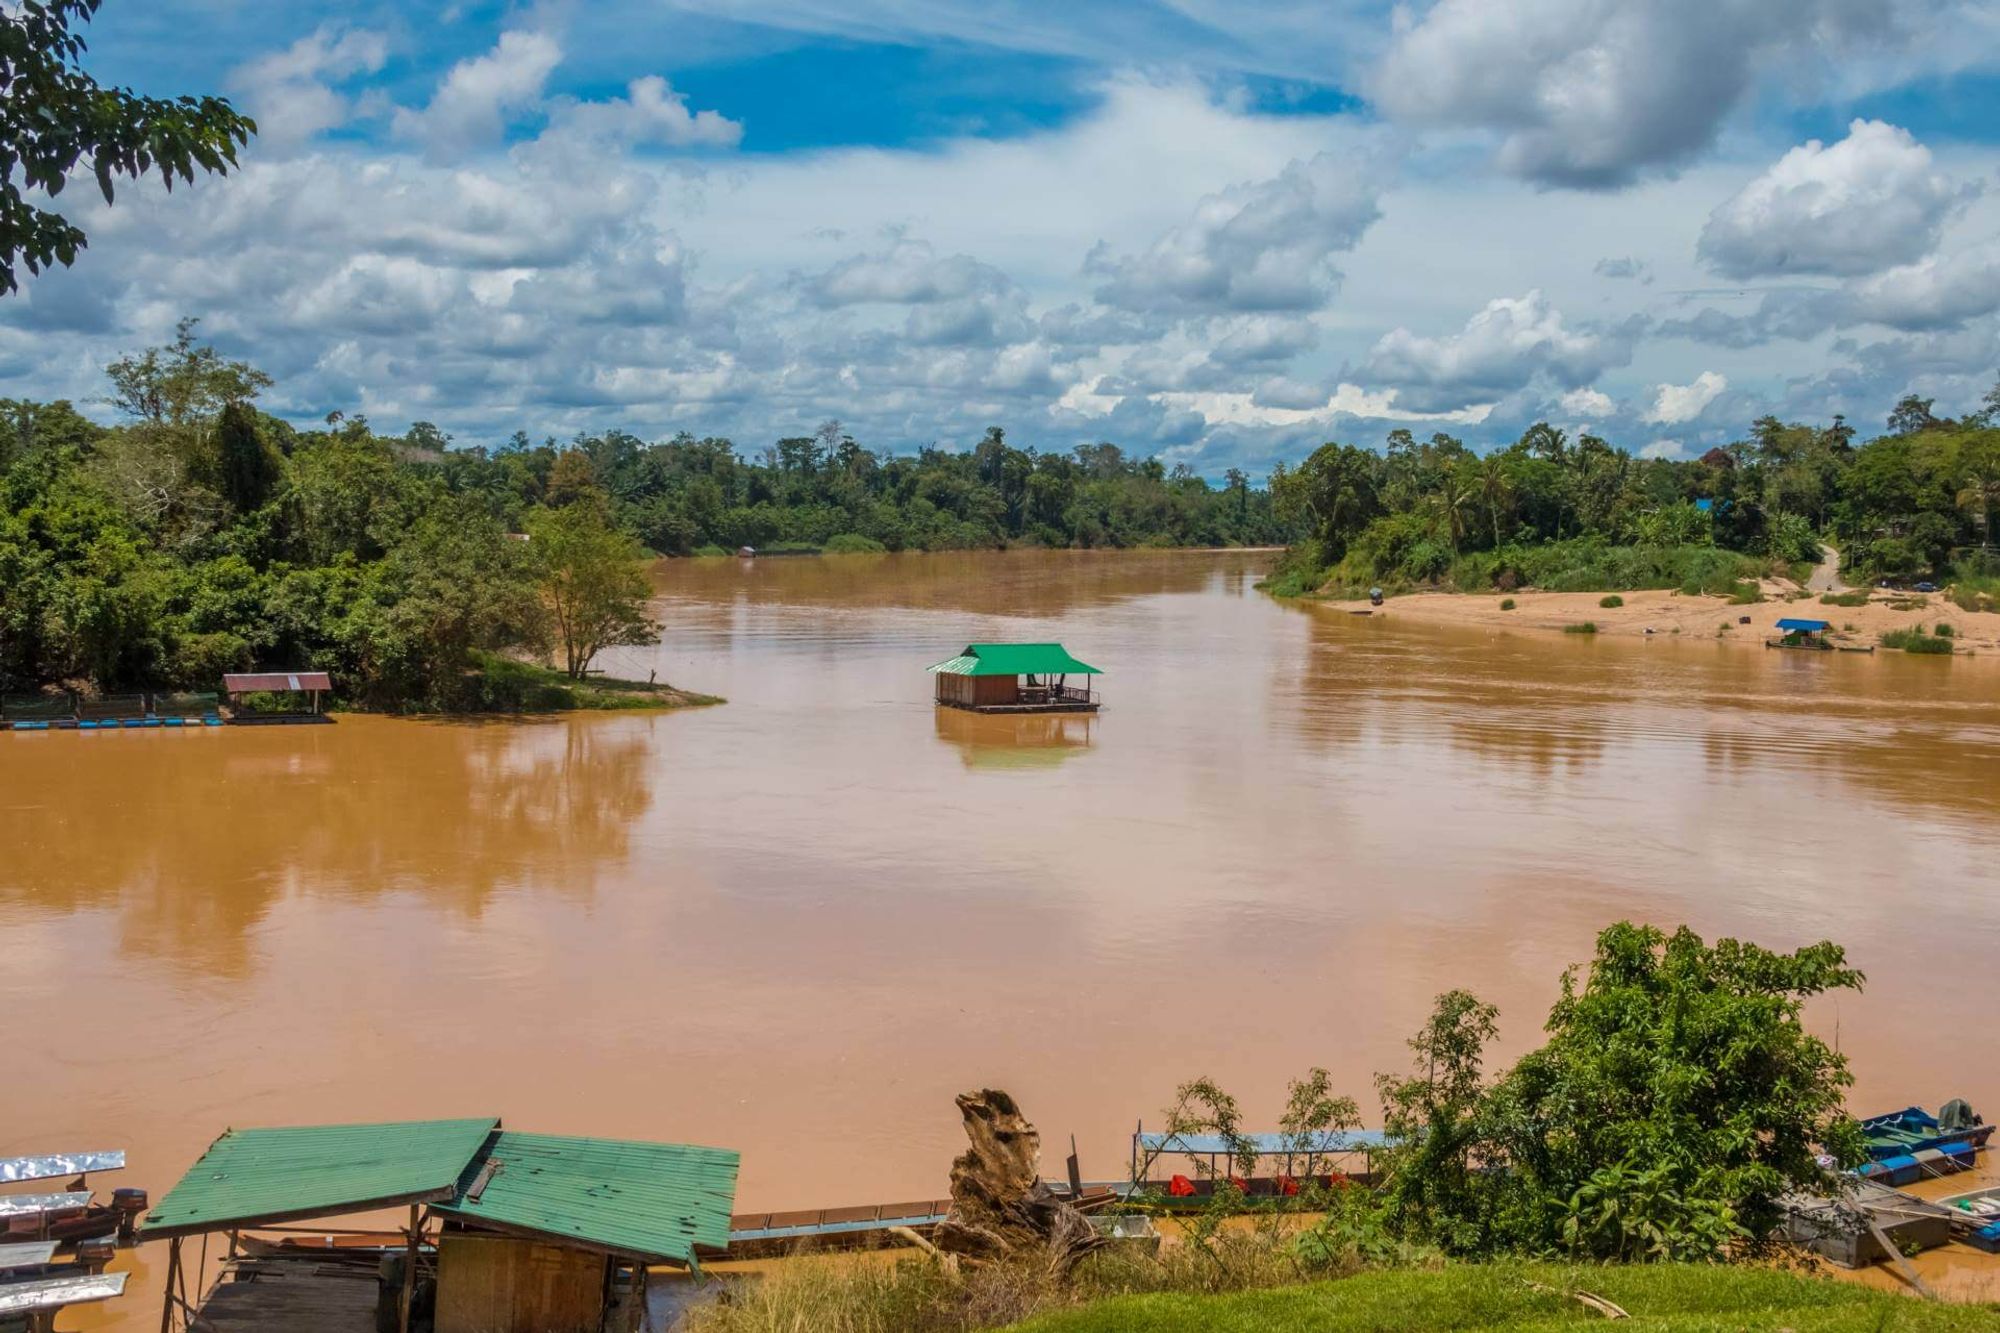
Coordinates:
(593,583)
(55,117)
(247,466)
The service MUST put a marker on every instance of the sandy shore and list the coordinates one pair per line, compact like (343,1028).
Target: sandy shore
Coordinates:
(1670,612)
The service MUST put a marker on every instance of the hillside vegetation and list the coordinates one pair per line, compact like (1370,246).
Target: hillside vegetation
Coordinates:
(1578,515)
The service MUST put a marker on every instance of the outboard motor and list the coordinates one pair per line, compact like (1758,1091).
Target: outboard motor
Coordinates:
(1958,1114)
(130,1205)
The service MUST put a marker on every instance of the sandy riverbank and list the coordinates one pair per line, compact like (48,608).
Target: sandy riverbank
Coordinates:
(1670,612)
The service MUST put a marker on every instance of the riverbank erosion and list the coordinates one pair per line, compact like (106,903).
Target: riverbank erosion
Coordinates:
(1882,616)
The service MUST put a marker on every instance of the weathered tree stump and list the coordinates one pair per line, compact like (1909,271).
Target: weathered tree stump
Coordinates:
(1000,1209)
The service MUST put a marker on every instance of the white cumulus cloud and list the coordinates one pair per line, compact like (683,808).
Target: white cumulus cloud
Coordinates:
(1502,348)
(470,108)
(1262,246)
(1588,403)
(1594,93)
(1674,404)
(1857,206)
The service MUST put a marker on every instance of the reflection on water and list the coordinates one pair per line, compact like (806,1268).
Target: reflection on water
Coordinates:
(1288,829)
(1016,741)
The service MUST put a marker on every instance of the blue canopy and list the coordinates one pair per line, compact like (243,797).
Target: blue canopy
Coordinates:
(1268,1145)
(1803,626)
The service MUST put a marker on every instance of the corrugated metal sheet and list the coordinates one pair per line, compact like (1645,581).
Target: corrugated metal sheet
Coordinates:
(251,1176)
(27,1205)
(256,682)
(1014,659)
(26,1255)
(52,1293)
(652,1201)
(51,1166)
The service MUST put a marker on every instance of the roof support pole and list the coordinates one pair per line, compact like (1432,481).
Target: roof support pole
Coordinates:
(173,1270)
(410,1270)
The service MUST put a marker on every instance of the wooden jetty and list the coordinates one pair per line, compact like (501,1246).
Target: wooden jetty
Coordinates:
(1872,1223)
(1015,678)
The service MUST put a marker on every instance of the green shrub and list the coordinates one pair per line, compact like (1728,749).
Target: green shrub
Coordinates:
(1745,593)
(853,543)
(1943,631)
(1297,573)
(1506,604)
(1858,597)
(710,550)
(1587,627)
(1611,602)
(1914,640)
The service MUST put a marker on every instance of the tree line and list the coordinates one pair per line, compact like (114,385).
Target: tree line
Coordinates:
(200,535)
(1567,513)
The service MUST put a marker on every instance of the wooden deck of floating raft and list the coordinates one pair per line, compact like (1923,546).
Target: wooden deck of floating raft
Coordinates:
(304,1295)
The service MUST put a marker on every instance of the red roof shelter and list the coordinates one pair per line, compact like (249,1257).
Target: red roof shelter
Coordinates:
(308,683)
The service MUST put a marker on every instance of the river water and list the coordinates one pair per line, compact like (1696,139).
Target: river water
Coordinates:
(797,924)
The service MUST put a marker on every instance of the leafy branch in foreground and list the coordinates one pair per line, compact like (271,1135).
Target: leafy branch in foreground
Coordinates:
(54,117)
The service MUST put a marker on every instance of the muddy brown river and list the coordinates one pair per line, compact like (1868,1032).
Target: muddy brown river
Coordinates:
(797,924)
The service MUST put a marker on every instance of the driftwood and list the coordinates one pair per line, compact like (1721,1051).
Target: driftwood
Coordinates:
(1591,1299)
(1000,1209)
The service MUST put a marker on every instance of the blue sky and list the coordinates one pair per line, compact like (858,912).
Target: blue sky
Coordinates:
(1222,231)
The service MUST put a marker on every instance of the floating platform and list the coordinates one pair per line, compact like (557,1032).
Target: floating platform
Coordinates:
(1053,706)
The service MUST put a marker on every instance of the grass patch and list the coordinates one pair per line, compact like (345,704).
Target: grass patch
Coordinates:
(1506,604)
(506,685)
(1608,603)
(1745,593)
(1659,1297)
(1587,627)
(711,550)
(1856,598)
(1581,565)
(853,543)
(1914,640)
(1975,592)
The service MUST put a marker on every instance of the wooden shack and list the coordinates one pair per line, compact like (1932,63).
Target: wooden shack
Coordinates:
(1015,678)
(508,1232)
(300,691)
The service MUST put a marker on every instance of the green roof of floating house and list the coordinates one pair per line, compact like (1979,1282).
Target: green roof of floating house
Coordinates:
(646,1201)
(253,1177)
(653,1202)
(1014,659)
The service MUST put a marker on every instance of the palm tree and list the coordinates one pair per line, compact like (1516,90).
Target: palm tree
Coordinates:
(1494,490)
(1453,496)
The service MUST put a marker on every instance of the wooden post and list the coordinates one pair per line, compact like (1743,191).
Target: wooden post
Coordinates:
(410,1270)
(173,1267)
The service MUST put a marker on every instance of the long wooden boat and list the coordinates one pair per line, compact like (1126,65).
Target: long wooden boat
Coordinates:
(1976,1218)
(73,1213)
(1913,1129)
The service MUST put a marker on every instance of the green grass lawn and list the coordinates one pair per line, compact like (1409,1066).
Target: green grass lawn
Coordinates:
(1498,1296)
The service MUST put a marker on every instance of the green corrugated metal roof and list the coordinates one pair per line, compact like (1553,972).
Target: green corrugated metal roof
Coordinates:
(261,1176)
(654,1201)
(1015,659)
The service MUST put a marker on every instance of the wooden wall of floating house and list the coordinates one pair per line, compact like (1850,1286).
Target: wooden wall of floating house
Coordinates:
(497,1284)
(996,689)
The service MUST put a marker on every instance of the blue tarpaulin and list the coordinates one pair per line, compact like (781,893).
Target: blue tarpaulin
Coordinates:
(1803,626)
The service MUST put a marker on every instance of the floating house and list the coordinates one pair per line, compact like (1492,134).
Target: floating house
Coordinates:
(507,1233)
(1015,678)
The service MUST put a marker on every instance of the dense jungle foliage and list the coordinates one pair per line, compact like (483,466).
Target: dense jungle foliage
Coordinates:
(1579,515)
